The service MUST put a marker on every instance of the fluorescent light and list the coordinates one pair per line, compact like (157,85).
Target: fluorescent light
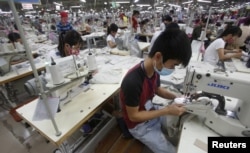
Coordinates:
(141,5)
(187,2)
(204,1)
(221,0)
(136,1)
(122,2)
(57,3)
(84,1)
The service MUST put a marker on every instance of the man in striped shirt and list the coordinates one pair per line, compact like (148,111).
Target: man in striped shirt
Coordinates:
(63,25)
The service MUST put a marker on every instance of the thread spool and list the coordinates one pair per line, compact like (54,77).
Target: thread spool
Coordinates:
(56,77)
(91,61)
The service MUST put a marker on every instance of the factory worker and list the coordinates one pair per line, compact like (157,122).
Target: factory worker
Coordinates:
(134,21)
(63,25)
(166,20)
(142,83)
(14,37)
(112,31)
(69,44)
(215,52)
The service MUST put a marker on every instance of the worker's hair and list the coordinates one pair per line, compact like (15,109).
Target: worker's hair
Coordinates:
(71,37)
(167,18)
(234,30)
(13,37)
(172,44)
(112,28)
(135,12)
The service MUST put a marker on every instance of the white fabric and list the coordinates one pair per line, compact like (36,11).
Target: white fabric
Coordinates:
(53,54)
(211,54)
(110,38)
(162,26)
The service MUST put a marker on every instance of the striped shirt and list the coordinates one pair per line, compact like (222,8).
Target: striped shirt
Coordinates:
(63,28)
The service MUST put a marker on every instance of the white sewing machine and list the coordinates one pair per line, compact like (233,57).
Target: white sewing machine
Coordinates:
(202,86)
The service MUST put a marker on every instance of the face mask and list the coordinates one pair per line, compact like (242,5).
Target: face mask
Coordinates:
(73,51)
(164,71)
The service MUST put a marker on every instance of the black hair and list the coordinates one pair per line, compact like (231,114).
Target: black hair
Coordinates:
(173,44)
(15,27)
(135,12)
(144,21)
(171,11)
(71,37)
(53,27)
(167,18)
(234,30)
(172,25)
(13,36)
(112,28)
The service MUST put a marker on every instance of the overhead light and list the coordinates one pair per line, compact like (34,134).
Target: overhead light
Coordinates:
(84,1)
(187,2)
(75,6)
(142,5)
(57,3)
(136,1)
(221,0)
(122,2)
(204,1)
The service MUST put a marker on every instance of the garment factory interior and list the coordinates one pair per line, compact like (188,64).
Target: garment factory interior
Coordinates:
(64,65)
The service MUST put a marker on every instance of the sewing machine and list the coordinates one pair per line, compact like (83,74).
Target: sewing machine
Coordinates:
(8,58)
(203,86)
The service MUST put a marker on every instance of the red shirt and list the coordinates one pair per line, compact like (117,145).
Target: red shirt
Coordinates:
(134,23)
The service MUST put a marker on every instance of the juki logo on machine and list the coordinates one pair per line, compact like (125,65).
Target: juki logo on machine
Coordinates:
(220,86)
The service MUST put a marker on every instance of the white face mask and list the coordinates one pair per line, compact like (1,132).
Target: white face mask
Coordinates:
(163,71)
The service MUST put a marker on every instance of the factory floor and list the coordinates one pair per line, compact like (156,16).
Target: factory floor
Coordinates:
(15,137)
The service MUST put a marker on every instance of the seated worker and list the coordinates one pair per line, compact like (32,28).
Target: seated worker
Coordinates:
(143,27)
(166,20)
(69,44)
(63,25)
(215,52)
(245,33)
(14,37)
(112,30)
(197,32)
(53,36)
(142,83)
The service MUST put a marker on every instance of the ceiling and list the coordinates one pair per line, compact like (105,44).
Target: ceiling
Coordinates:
(100,4)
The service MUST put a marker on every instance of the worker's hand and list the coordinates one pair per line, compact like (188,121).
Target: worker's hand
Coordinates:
(237,50)
(175,109)
(238,55)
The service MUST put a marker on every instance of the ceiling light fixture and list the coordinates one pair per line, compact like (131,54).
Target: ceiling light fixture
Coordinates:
(204,1)
(122,2)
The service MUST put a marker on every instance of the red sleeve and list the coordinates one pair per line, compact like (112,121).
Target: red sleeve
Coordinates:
(134,23)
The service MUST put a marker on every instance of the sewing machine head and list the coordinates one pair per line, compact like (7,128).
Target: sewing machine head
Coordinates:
(8,58)
(217,85)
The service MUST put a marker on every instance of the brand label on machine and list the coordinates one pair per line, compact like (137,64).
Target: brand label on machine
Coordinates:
(220,86)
